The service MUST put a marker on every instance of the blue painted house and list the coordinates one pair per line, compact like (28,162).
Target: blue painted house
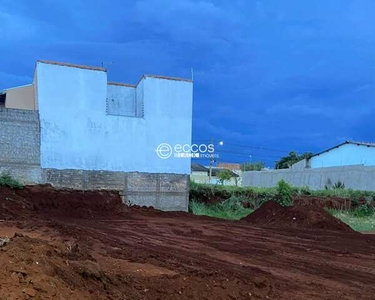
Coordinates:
(348,153)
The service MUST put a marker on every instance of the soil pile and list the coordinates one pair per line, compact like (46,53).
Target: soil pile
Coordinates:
(302,216)
(39,199)
(12,206)
(49,202)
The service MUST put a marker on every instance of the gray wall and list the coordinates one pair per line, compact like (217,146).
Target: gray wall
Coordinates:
(20,144)
(162,191)
(355,177)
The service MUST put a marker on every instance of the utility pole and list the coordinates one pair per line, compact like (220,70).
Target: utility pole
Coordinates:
(212,160)
(210,171)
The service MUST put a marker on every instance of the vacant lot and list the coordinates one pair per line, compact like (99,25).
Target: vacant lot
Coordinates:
(75,245)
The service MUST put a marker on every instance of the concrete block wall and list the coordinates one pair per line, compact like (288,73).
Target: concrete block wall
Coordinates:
(20,144)
(19,136)
(162,191)
(168,192)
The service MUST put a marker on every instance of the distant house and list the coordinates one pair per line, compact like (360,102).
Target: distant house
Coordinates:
(230,166)
(200,174)
(20,97)
(348,153)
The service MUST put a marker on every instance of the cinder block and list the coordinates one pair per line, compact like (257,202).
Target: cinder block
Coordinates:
(65,178)
(174,183)
(173,202)
(19,136)
(104,180)
(141,198)
(145,182)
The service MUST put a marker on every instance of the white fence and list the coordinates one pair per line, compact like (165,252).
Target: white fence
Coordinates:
(356,177)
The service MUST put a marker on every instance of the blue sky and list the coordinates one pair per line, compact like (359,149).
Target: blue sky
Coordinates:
(270,74)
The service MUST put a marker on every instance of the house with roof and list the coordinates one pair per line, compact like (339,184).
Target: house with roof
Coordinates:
(352,164)
(348,153)
(71,127)
(201,174)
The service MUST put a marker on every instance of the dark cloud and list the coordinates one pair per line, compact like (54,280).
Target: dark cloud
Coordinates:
(296,75)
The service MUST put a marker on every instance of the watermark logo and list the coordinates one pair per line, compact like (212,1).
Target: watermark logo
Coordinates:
(165,150)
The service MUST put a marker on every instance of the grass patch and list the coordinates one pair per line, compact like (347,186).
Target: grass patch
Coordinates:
(229,209)
(229,202)
(207,193)
(355,219)
(344,193)
(7,180)
(257,196)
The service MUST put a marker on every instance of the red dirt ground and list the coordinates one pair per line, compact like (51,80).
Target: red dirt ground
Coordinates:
(87,245)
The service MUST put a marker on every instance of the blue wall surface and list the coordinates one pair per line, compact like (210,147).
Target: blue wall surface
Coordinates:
(77,132)
(345,155)
(121,100)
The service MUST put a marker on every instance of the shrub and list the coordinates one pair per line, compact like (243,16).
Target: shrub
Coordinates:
(230,209)
(339,185)
(363,211)
(7,180)
(217,193)
(285,192)
(328,185)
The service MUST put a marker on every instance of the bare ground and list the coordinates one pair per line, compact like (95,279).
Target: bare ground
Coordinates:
(74,245)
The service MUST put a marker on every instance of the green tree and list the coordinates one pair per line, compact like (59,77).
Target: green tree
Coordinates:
(255,166)
(293,157)
(224,175)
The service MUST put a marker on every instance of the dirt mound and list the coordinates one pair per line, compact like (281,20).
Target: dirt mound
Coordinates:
(16,204)
(36,200)
(301,216)
(13,206)
(46,197)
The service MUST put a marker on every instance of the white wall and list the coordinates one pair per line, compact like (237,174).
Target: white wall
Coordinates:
(76,132)
(354,177)
(121,100)
(345,155)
